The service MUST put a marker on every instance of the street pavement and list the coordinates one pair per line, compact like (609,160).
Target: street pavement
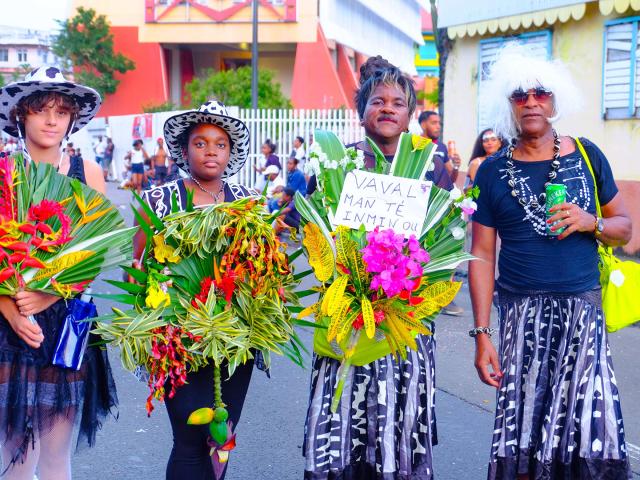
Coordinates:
(270,432)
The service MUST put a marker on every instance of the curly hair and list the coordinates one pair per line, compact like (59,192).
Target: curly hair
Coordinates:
(378,71)
(38,100)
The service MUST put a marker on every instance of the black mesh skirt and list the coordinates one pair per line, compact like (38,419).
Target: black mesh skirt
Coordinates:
(34,394)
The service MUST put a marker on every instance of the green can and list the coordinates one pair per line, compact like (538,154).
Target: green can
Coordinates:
(555,194)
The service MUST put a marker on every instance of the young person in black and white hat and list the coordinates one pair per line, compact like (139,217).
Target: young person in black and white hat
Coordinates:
(40,403)
(210,146)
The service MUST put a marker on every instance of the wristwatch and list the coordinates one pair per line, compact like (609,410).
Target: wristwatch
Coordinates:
(599,226)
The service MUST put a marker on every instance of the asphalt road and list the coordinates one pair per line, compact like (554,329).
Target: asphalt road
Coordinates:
(270,432)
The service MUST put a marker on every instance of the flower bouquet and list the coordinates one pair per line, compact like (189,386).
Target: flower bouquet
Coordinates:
(383,244)
(213,290)
(56,234)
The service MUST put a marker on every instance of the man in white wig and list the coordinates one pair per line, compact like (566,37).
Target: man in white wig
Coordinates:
(558,412)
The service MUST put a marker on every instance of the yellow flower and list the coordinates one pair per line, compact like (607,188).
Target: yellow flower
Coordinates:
(419,142)
(156,297)
(162,251)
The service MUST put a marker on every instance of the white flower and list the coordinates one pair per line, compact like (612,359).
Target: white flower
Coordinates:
(330,164)
(359,160)
(345,161)
(455,193)
(315,148)
(467,205)
(322,158)
(457,233)
(617,278)
(312,166)
(351,153)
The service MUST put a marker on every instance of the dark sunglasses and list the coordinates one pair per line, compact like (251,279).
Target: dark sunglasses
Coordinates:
(540,94)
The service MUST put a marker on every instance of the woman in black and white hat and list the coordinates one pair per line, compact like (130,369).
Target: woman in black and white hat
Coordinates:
(40,403)
(209,146)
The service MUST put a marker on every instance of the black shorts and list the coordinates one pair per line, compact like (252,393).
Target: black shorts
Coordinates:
(137,168)
(161,174)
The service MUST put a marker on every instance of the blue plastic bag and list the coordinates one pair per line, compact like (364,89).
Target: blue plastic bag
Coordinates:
(74,334)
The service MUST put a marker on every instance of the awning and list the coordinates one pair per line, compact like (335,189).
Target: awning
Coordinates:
(620,6)
(537,19)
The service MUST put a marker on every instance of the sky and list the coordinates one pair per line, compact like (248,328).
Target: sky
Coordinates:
(35,14)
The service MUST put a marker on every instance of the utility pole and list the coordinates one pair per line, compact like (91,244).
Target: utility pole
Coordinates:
(254,58)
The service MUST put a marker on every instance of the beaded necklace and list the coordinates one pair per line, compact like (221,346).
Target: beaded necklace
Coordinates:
(553,173)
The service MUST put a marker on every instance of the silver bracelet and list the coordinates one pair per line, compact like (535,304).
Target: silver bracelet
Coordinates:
(478,330)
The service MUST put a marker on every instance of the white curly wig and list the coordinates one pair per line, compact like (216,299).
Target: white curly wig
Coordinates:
(516,67)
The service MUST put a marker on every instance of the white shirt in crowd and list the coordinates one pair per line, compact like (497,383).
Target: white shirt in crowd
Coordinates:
(137,156)
(100,147)
(271,185)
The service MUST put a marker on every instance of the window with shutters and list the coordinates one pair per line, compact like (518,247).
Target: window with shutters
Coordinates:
(620,96)
(540,43)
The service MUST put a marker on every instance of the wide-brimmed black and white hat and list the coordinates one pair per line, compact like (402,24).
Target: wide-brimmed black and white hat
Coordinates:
(47,79)
(215,113)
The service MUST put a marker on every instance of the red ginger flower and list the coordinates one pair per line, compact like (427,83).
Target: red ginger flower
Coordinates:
(42,212)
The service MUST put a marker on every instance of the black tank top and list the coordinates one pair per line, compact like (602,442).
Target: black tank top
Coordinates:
(76,169)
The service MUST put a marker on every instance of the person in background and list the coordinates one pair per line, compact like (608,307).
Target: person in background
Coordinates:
(275,183)
(11,146)
(159,162)
(137,157)
(432,128)
(108,158)
(444,173)
(289,216)
(99,148)
(486,145)
(298,151)
(268,158)
(79,153)
(295,178)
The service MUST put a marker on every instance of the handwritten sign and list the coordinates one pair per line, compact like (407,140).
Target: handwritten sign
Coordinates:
(375,200)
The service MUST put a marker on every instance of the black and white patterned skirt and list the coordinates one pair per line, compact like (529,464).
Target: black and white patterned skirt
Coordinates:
(558,411)
(385,426)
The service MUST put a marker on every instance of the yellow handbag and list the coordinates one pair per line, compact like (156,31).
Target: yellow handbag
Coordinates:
(620,280)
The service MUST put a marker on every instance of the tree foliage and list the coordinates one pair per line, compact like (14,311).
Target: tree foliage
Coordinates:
(233,87)
(167,106)
(20,72)
(87,43)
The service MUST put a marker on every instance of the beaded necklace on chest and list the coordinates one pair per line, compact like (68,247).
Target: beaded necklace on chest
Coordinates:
(553,173)
(531,206)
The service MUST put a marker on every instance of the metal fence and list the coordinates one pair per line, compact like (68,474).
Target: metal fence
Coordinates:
(283,126)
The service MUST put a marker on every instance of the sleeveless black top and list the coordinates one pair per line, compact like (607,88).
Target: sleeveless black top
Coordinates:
(76,169)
